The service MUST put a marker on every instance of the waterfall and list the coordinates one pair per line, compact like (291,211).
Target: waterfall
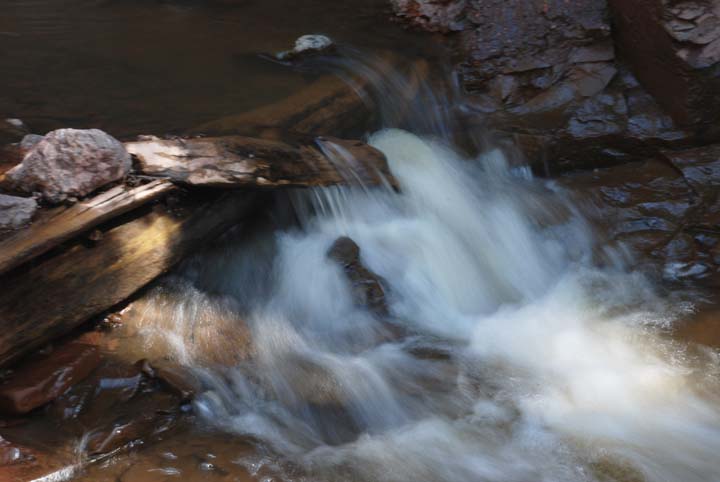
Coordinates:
(508,352)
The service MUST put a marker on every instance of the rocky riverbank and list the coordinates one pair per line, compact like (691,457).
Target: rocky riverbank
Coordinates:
(627,89)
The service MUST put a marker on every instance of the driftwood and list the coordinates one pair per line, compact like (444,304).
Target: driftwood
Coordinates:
(328,105)
(54,279)
(55,293)
(66,223)
(235,161)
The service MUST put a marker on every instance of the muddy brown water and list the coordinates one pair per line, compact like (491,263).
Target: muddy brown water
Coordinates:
(162,66)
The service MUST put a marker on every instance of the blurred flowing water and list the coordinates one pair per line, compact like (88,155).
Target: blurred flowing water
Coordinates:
(516,347)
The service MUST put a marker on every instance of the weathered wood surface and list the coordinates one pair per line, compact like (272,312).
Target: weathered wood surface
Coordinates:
(53,294)
(327,106)
(66,223)
(236,161)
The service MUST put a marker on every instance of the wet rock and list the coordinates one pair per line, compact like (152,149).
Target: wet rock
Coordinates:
(179,457)
(607,469)
(113,320)
(674,49)
(540,71)
(665,210)
(617,124)
(16,212)
(30,141)
(146,417)
(11,453)
(543,74)
(179,380)
(309,381)
(69,163)
(367,287)
(42,380)
(122,432)
(210,330)
(700,167)
(431,15)
(12,130)
(308,45)
(537,42)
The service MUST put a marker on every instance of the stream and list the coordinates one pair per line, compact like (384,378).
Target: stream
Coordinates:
(513,345)
(508,341)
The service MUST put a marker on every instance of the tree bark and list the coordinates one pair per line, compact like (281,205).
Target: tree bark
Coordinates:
(55,293)
(236,161)
(66,223)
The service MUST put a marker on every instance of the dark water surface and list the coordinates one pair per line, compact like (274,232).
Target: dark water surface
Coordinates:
(154,67)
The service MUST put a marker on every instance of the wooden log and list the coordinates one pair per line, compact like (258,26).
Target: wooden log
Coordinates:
(236,161)
(327,106)
(65,223)
(53,294)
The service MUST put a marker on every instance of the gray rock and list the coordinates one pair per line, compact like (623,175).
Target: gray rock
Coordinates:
(70,163)
(312,42)
(308,45)
(16,212)
(29,141)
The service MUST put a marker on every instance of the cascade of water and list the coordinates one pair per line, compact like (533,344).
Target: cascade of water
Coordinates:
(506,354)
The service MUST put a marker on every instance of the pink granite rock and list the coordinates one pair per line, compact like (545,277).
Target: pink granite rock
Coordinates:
(70,163)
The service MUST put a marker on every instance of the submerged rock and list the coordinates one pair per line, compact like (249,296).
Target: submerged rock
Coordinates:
(16,212)
(42,380)
(11,453)
(70,163)
(146,415)
(367,288)
(120,433)
(180,381)
(12,130)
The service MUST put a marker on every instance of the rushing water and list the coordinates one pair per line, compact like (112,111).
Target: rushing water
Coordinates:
(516,348)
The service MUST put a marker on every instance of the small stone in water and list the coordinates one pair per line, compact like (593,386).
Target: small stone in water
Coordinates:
(307,44)
(17,123)
(312,42)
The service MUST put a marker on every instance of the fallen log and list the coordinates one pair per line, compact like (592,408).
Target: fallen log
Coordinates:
(236,161)
(328,105)
(65,223)
(53,294)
